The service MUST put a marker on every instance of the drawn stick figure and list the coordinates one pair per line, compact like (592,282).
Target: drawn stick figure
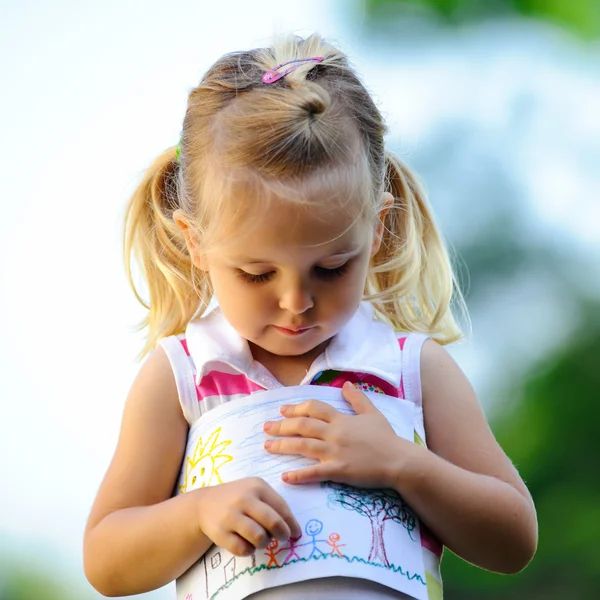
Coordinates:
(334,538)
(271,547)
(314,528)
(293,541)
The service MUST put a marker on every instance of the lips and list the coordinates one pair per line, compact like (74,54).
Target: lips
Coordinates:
(292,330)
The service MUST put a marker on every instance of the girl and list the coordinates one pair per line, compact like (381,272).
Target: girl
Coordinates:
(319,245)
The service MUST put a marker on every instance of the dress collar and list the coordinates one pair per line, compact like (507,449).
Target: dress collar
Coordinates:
(363,345)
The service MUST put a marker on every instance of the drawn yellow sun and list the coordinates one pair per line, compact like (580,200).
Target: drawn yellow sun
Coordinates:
(202,468)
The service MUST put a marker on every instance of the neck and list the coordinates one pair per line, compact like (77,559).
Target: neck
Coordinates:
(288,370)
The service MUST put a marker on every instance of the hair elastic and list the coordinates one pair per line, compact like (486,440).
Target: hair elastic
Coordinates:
(273,75)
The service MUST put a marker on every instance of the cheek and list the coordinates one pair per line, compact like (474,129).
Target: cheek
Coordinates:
(241,300)
(345,296)
(357,278)
(355,287)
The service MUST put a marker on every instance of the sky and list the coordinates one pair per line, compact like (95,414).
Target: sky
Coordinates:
(92,92)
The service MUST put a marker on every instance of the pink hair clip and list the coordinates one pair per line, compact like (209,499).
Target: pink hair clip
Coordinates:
(273,74)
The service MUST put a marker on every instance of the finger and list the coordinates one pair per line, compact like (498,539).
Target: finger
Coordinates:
(303,426)
(281,507)
(236,544)
(310,474)
(310,408)
(251,531)
(270,520)
(358,400)
(308,447)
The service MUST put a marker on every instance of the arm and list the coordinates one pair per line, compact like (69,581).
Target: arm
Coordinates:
(137,537)
(464,487)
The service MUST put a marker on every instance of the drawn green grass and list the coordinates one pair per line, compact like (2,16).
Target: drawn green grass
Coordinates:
(263,567)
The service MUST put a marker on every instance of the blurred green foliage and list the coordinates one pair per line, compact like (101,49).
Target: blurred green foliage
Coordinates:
(579,16)
(20,582)
(550,432)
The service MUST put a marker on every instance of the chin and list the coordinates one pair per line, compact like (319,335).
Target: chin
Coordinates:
(315,349)
(292,348)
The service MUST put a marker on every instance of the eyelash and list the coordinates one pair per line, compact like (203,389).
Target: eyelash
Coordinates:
(249,278)
(322,273)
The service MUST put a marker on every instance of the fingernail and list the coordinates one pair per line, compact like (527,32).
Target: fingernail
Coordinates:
(267,426)
(268,444)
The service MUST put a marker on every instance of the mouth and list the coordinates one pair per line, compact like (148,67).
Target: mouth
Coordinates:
(293,332)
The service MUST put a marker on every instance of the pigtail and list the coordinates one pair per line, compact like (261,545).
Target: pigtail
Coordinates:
(411,282)
(176,289)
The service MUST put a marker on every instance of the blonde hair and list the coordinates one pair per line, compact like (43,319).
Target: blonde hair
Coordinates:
(292,139)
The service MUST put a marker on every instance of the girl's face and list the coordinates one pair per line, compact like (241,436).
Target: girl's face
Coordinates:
(291,284)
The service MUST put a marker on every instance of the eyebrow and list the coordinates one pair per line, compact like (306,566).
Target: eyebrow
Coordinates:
(251,261)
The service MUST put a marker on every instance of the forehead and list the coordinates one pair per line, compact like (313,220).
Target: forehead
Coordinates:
(293,228)
(327,211)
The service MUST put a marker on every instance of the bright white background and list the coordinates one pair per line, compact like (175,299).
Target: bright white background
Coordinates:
(92,92)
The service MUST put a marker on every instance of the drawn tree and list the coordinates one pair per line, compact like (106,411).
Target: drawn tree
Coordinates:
(379,506)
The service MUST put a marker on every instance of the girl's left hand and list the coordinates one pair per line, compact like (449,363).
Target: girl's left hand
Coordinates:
(360,450)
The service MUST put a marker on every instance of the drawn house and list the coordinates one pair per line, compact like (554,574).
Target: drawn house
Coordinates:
(220,569)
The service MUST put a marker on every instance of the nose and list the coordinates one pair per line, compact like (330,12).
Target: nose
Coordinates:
(296,298)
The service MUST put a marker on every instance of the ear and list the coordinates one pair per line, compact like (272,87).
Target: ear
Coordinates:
(388,202)
(191,240)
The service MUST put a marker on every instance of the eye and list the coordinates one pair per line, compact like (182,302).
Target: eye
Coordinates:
(250,278)
(329,274)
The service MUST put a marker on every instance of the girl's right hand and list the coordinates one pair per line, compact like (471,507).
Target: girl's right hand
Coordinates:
(243,515)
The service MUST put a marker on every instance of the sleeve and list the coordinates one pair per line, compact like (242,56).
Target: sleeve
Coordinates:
(411,377)
(185,375)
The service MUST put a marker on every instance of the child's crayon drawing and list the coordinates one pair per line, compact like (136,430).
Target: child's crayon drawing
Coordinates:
(379,506)
(345,530)
(203,464)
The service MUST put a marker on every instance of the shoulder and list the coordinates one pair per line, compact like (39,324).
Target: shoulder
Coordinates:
(151,442)
(437,362)
(450,405)
(456,426)
(442,379)
(155,377)
(153,400)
